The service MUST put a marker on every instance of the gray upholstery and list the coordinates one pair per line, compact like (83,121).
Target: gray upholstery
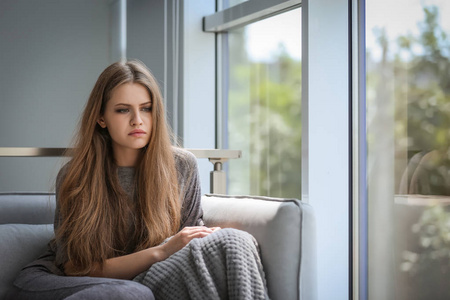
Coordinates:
(26,226)
(20,244)
(284,229)
(27,208)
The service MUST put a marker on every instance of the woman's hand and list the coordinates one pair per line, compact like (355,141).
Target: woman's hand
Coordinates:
(128,266)
(183,237)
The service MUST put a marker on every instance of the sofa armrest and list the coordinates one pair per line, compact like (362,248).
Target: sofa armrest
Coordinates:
(285,231)
(27,208)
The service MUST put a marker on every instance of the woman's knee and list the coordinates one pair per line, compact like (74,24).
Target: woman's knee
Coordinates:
(232,235)
(229,239)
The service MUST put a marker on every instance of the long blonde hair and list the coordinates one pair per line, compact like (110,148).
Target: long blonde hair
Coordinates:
(93,207)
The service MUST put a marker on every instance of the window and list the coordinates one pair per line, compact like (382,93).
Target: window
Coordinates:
(408,143)
(230,3)
(262,106)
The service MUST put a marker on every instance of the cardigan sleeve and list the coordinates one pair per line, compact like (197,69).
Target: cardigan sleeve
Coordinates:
(189,188)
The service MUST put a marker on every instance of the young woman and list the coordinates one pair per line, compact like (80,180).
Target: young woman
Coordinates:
(128,221)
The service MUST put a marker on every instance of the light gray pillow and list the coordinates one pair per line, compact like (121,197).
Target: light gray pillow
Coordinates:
(285,231)
(20,244)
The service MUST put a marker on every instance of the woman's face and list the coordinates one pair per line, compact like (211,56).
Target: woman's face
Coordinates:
(128,119)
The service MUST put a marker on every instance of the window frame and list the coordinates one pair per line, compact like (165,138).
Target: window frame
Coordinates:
(344,171)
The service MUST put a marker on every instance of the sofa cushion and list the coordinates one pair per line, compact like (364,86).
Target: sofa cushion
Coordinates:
(285,231)
(20,244)
(27,208)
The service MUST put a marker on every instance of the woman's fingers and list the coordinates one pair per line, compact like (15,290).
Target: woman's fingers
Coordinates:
(197,235)
(198,229)
(184,236)
(195,232)
(189,233)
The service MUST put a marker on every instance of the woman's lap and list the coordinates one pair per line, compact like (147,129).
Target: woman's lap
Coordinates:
(217,252)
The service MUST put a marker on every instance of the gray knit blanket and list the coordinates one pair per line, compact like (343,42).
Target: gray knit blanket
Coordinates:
(224,265)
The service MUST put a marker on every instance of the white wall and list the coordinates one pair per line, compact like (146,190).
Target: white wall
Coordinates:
(199,81)
(325,115)
(51,53)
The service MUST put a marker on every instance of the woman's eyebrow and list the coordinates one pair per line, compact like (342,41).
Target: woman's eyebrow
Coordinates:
(126,104)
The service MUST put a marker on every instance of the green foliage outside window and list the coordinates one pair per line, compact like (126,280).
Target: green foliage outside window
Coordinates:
(265,123)
(415,82)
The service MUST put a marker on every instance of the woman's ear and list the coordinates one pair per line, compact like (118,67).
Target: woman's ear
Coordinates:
(101,122)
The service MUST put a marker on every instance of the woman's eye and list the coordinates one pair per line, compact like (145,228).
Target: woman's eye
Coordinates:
(147,109)
(122,110)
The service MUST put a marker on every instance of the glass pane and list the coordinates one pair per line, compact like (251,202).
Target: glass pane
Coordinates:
(408,132)
(263,104)
(230,3)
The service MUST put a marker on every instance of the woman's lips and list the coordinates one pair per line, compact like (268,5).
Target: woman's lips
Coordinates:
(137,133)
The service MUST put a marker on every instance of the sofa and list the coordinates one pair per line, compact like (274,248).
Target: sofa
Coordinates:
(284,229)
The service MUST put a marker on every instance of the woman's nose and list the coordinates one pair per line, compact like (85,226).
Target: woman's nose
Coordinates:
(136,119)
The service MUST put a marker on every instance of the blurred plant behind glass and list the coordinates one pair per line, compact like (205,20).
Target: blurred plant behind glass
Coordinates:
(416,79)
(265,122)
(429,266)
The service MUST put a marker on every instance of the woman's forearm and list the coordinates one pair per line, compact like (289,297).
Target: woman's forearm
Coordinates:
(124,267)
(131,265)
